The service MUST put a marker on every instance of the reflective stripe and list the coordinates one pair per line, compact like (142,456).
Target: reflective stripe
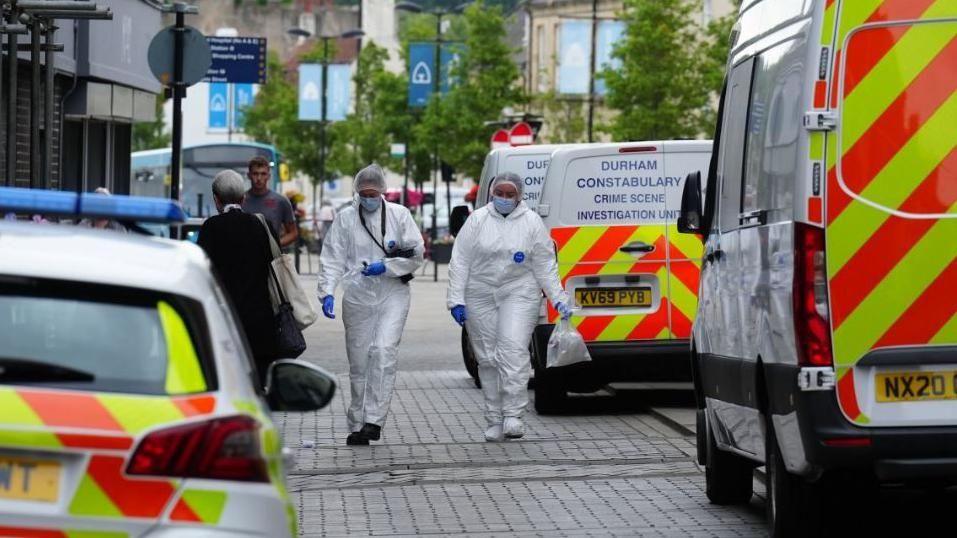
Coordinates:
(136,414)
(26,532)
(91,500)
(199,506)
(183,373)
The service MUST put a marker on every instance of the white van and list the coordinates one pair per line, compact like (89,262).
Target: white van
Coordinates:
(825,345)
(611,210)
(530,163)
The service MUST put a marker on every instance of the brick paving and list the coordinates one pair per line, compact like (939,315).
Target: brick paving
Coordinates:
(433,473)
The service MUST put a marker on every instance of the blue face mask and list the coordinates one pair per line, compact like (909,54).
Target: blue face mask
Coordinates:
(370,204)
(504,205)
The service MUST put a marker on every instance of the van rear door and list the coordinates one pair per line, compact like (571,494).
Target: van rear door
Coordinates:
(616,215)
(891,219)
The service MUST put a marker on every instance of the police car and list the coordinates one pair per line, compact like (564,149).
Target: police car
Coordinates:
(129,404)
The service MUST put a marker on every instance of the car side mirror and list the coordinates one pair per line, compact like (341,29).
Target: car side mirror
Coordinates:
(295,385)
(460,214)
(689,221)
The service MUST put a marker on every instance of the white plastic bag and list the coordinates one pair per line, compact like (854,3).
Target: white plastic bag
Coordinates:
(566,346)
(361,289)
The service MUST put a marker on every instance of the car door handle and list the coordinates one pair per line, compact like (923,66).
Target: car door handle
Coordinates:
(714,255)
(637,246)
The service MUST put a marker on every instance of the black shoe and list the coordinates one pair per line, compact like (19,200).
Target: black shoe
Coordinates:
(357,439)
(371,432)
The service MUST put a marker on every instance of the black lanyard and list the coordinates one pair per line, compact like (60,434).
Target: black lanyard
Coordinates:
(362,220)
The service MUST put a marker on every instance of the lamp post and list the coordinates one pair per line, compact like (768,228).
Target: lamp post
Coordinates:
(299,32)
(413,7)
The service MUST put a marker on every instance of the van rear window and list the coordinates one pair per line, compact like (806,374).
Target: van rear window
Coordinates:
(620,189)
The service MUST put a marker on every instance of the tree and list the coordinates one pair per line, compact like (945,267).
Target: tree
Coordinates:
(151,134)
(483,82)
(661,89)
(565,118)
(717,45)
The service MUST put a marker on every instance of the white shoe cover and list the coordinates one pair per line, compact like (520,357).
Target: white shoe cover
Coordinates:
(514,427)
(494,434)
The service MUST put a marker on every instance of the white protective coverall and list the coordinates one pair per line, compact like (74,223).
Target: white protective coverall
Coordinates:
(499,266)
(374,308)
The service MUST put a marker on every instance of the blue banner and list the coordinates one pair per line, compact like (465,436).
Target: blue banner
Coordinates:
(574,56)
(237,59)
(609,32)
(310,92)
(421,73)
(339,92)
(242,99)
(218,105)
(449,59)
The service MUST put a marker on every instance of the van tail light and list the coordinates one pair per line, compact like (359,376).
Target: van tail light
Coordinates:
(811,327)
(224,448)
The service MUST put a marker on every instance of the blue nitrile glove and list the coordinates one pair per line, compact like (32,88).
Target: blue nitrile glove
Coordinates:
(458,314)
(374,268)
(563,310)
(328,306)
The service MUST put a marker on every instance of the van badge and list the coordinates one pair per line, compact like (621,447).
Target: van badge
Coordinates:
(519,257)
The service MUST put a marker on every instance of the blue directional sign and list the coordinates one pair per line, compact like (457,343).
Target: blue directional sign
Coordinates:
(237,59)
(609,33)
(339,92)
(421,73)
(310,92)
(574,56)
(218,105)
(242,99)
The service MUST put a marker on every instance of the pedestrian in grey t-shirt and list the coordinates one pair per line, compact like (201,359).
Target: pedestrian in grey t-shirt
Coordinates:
(275,207)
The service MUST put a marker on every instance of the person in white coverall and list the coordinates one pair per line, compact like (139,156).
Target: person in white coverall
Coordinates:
(372,248)
(501,260)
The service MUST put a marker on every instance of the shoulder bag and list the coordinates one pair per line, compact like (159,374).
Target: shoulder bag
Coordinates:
(286,286)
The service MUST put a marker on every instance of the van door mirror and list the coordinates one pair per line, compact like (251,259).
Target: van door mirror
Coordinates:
(689,221)
(295,385)
(460,214)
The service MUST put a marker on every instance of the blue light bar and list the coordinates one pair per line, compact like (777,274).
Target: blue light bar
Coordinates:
(136,208)
(119,207)
(35,201)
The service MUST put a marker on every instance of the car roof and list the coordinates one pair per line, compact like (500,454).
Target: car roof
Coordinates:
(65,252)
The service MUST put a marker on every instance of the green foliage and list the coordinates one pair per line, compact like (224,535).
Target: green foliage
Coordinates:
(717,45)
(663,89)
(565,118)
(151,134)
(483,82)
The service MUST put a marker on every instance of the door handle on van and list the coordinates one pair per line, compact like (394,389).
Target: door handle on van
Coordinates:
(637,246)
(714,255)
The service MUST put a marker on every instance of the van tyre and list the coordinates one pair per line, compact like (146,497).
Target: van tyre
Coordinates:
(468,357)
(728,477)
(794,506)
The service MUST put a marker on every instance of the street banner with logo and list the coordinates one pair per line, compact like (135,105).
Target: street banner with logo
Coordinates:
(574,56)
(218,105)
(609,33)
(242,99)
(421,73)
(339,92)
(310,92)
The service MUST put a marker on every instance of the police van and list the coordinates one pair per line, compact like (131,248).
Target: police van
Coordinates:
(530,163)
(825,345)
(611,210)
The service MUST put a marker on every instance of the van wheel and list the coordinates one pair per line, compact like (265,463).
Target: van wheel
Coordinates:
(794,505)
(728,477)
(550,394)
(468,357)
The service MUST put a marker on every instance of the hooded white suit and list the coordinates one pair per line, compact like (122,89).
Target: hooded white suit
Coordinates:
(374,308)
(500,265)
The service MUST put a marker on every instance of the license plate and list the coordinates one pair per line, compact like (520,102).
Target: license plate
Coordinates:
(916,386)
(28,479)
(613,297)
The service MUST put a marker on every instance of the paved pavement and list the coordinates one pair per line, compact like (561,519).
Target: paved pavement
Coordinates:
(600,471)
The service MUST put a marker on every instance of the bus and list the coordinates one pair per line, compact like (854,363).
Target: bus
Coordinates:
(151,172)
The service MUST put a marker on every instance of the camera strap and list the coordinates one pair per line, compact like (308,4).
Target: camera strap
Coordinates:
(362,220)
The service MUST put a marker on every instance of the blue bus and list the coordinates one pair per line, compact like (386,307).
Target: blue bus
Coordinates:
(151,171)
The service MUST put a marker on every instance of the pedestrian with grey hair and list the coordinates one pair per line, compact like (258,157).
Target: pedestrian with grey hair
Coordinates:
(238,247)
(501,261)
(372,248)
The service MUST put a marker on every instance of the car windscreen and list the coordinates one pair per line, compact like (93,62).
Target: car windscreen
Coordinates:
(101,338)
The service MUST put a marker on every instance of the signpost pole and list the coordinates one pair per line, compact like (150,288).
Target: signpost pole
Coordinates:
(178,91)
(322,124)
(436,75)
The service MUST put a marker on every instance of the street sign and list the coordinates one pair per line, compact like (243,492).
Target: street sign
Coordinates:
(196,56)
(397,150)
(500,139)
(310,92)
(421,71)
(218,105)
(339,92)
(520,134)
(237,59)
(242,98)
